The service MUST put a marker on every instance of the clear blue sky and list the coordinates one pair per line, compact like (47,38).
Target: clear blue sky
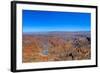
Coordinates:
(38,21)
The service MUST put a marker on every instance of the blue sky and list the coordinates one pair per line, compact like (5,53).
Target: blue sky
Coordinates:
(38,21)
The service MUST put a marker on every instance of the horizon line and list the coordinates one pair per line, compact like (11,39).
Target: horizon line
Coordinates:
(56,31)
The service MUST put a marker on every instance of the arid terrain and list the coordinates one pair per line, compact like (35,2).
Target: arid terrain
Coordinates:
(56,46)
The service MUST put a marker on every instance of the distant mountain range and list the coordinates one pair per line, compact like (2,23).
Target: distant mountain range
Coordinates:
(60,33)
